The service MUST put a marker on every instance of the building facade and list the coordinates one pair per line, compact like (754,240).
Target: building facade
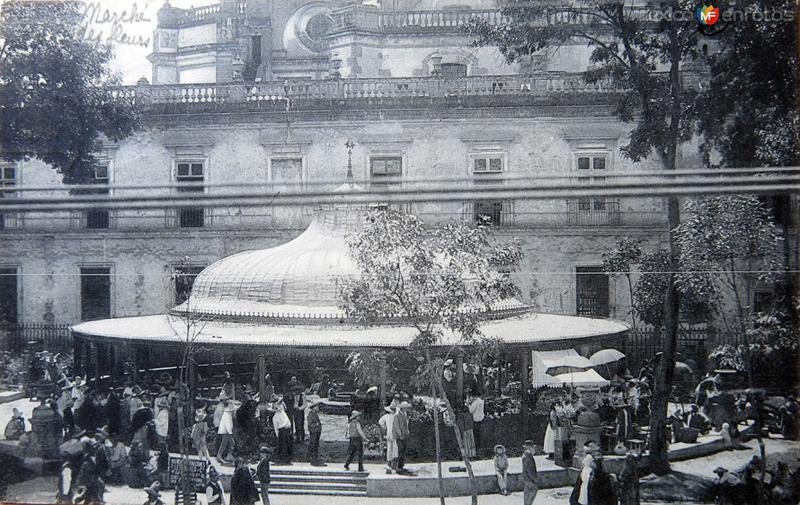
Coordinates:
(265,94)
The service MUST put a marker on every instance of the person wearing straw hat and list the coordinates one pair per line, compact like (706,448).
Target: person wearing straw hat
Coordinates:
(153,494)
(356,436)
(401,433)
(386,423)
(199,434)
(215,493)
(314,433)
(263,473)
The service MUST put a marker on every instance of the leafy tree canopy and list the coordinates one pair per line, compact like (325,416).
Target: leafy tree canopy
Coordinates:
(56,95)
(427,277)
(750,114)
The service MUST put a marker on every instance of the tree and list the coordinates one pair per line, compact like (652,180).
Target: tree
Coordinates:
(437,280)
(734,238)
(752,117)
(620,260)
(56,89)
(186,326)
(648,292)
(646,57)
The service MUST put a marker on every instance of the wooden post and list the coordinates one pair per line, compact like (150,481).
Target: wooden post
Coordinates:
(524,398)
(383,383)
(262,383)
(460,376)
(500,363)
(135,360)
(95,353)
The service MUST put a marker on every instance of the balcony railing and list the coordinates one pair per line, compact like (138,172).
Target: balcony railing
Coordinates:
(227,219)
(358,89)
(408,21)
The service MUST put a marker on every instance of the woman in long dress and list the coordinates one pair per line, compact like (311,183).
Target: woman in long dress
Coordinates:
(550,433)
(162,415)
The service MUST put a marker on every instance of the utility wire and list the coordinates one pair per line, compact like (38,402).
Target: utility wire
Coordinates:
(481,192)
(467,179)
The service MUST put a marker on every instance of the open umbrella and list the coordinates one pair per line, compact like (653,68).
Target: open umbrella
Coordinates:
(606,356)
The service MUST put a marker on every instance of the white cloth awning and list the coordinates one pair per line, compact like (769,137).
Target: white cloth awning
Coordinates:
(563,358)
(587,378)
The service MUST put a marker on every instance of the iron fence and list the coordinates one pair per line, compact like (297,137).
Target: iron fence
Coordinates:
(18,338)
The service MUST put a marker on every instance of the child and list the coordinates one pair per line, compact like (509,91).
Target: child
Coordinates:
(501,468)
(199,431)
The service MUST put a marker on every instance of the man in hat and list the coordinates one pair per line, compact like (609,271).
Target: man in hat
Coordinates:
(153,494)
(16,426)
(314,433)
(529,475)
(283,431)
(215,493)
(136,402)
(400,433)
(697,420)
(477,410)
(386,422)
(356,436)
(624,426)
(262,472)
(299,413)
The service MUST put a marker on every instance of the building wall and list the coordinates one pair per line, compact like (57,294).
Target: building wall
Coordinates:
(143,246)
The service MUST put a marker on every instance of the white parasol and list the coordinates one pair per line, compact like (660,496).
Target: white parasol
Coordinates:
(606,356)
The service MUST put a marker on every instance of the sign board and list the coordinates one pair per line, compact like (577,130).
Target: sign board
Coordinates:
(196,472)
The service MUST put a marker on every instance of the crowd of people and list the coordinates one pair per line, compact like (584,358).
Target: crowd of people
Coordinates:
(124,435)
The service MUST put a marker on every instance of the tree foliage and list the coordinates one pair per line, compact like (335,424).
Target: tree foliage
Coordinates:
(751,111)
(696,288)
(433,279)
(56,89)
(734,238)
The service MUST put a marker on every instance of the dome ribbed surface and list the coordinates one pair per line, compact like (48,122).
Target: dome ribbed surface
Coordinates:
(305,272)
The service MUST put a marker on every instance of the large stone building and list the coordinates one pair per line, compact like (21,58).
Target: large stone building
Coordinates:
(266,93)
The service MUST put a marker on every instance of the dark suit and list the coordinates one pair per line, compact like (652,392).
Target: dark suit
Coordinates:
(529,478)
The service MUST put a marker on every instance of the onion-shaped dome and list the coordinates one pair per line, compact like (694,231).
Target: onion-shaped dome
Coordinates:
(301,278)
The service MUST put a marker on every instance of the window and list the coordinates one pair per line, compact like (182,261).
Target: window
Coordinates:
(8,179)
(95,293)
(488,163)
(591,289)
(184,280)
(385,171)
(98,218)
(595,168)
(188,174)
(8,295)
(286,174)
(453,70)
(494,213)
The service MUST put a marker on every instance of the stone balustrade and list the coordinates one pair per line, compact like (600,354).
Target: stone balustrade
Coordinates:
(355,89)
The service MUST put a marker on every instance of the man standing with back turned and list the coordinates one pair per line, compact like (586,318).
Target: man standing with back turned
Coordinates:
(529,474)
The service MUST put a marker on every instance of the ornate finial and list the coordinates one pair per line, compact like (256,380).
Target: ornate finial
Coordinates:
(349,145)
